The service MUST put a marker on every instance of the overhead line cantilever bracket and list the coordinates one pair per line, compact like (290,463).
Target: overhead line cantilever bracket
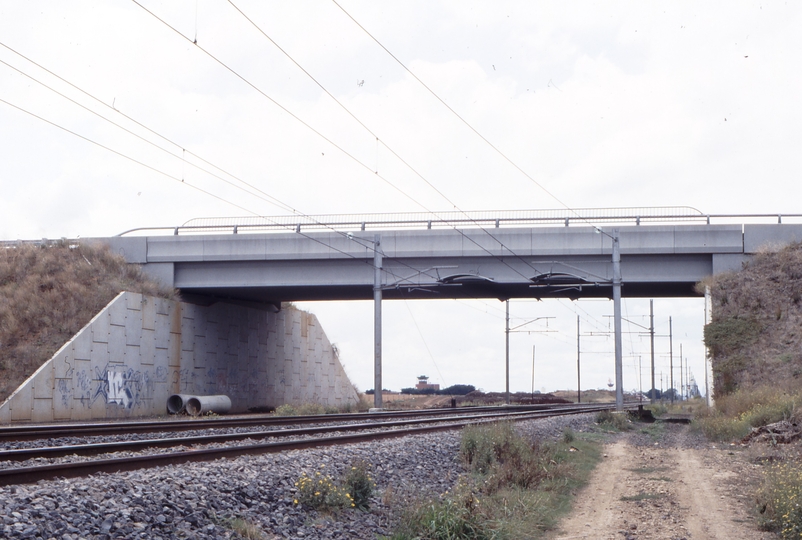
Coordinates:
(400,283)
(602,278)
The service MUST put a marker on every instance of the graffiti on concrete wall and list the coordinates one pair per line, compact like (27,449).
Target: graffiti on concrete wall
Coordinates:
(161,374)
(125,386)
(83,388)
(118,385)
(65,391)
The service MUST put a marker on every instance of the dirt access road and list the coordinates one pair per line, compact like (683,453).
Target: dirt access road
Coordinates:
(679,487)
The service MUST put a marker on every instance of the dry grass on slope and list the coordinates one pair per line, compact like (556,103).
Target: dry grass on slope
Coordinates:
(756,332)
(47,294)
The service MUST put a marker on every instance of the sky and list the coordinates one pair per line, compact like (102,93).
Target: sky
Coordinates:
(320,107)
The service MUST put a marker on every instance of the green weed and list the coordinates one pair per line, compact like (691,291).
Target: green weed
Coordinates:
(779,501)
(321,491)
(654,430)
(612,421)
(658,409)
(456,516)
(310,409)
(359,484)
(246,529)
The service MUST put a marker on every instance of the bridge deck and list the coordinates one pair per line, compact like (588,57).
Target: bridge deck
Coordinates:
(573,262)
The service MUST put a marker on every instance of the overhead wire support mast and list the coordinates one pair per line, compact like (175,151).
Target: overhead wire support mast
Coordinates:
(377,322)
(619,370)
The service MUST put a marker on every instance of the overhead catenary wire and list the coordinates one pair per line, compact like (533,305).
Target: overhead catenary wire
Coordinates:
(168,175)
(339,147)
(276,103)
(257,192)
(455,113)
(378,139)
(138,162)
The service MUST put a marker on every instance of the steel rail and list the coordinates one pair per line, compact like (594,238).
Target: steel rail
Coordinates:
(44,431)
(90,449)
(26,475)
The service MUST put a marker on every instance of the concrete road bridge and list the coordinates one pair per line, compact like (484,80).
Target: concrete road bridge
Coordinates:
(664,252)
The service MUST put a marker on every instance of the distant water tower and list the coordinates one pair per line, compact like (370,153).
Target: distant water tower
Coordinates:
(423,384)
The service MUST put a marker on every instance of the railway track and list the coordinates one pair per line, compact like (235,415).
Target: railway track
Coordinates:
(286,439)
(45,431)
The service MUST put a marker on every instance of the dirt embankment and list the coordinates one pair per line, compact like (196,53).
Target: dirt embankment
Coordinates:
(756,332)
(675,487)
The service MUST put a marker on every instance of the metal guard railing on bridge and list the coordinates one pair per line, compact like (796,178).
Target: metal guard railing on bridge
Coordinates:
(452,219)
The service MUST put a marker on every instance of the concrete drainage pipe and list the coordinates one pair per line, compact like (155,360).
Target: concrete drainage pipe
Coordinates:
(197,405)
(177,402)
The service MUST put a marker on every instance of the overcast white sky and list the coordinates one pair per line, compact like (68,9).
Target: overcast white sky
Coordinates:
(603,104)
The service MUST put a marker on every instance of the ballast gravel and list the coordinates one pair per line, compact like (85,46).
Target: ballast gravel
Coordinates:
(203,500)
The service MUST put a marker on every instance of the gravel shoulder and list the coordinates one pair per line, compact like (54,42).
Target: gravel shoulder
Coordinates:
(666,485)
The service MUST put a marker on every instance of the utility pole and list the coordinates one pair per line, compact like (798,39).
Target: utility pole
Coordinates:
(651,334)
(578,381)
(533,374)
(681,375)
(687,379)
(507,331)
(640,380)
(377,322)
(671,357)
(661,387)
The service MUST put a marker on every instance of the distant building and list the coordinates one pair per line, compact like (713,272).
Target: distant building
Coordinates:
(423,384)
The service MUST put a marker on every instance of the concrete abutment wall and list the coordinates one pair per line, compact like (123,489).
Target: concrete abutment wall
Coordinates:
(139,350)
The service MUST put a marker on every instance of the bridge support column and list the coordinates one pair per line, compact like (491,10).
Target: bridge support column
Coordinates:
(377,322)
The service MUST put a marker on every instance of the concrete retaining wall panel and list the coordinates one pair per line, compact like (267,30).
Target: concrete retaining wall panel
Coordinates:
(140,350)
(100,328)
(133,302)
(23,404)
(148,314)
(44,382)
(82,346)
(62,399)
(42,410)
(117,339)
(117,312)
(147,347)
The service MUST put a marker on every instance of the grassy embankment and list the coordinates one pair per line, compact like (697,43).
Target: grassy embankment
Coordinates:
(48,293)
(756,341)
